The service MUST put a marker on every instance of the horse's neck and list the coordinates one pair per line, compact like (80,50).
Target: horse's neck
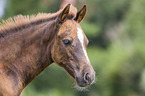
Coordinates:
(27,53)
(35,53)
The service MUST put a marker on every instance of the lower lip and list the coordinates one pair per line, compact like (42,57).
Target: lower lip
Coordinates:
(83,84)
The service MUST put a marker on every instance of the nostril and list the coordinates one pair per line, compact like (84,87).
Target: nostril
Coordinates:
(86,77)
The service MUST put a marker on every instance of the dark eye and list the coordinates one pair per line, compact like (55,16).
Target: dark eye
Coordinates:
(66,42)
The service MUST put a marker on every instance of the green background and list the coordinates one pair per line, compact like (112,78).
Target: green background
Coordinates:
(116,30)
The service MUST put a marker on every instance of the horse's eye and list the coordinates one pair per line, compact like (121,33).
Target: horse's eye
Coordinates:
(67,42)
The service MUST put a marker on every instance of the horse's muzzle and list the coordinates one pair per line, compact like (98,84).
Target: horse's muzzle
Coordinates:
(85,80)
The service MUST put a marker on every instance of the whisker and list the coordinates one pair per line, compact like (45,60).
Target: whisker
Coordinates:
(81,88)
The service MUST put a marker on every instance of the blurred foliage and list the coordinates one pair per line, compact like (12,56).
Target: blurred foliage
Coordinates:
(115,29)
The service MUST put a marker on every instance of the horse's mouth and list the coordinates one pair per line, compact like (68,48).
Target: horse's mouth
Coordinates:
(82,81)
(82,84)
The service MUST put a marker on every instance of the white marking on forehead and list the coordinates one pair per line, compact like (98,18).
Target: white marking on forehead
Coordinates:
(81,39)
(80,35)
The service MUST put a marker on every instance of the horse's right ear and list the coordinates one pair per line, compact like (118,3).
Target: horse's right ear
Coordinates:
(81,14)
(64,13)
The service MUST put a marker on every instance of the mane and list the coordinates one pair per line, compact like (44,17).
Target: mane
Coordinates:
(20,21)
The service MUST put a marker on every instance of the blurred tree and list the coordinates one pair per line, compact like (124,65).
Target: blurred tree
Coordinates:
(28,7)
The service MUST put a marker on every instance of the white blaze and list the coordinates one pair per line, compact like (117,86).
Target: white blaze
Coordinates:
(81,39)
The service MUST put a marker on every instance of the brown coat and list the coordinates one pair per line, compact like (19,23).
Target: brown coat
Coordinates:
(28,44)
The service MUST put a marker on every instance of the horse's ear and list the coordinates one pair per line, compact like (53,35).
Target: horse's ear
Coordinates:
(80,15)
(64,13)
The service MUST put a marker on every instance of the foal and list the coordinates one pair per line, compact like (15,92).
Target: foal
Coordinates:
(29,44)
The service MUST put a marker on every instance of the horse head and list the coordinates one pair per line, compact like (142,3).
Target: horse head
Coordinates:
(69,46)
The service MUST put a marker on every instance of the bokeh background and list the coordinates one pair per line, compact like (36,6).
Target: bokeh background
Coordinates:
(116,30)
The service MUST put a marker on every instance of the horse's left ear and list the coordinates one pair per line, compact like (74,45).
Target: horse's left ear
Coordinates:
(80,15)
(64,13)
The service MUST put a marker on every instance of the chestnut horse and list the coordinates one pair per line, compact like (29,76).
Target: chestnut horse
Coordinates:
(28,44)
